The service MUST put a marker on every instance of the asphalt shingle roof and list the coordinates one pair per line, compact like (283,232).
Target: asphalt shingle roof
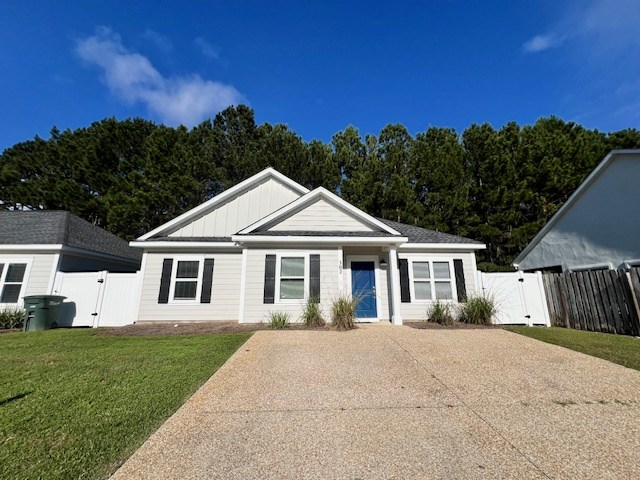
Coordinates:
(56,227)
(423,235)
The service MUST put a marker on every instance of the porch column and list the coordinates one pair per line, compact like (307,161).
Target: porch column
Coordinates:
(396,316)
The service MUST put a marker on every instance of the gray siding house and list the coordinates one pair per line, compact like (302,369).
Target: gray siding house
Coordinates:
(36,245)
(597,227)
(269,244)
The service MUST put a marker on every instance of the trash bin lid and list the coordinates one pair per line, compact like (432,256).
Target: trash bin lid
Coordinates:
(51,298)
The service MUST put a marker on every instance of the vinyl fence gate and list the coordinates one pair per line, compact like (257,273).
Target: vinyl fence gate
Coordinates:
(519,297)
(98,299)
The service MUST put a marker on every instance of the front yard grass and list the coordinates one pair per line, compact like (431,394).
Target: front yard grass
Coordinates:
(619,349)
(77,405)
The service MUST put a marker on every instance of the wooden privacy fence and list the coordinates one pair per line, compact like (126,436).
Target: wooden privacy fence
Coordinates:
(595,300)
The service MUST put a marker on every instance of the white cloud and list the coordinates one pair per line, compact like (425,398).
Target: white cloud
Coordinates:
(599,25)
(540,43)
(159,40)
(175,100)
(598,41)
(206,48)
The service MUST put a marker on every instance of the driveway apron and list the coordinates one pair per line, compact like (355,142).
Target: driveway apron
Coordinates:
(394,402)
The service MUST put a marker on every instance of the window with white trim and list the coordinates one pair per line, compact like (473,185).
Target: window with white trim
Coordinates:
(12,279)
(291,279)
(432,280)
(185,280)
(421,280)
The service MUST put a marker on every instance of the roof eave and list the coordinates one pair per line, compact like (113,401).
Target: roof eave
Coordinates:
(566,206)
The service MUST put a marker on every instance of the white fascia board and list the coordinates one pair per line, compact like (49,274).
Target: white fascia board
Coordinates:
(319,192)
(218,199)
(310,239)
(443,246)
(593,176)
(33,247)
(83,252)
(181,245)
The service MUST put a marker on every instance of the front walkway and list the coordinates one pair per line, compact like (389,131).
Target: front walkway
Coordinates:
(394,402)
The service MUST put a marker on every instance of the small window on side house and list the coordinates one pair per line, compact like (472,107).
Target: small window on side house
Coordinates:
(11,281)
(186,281)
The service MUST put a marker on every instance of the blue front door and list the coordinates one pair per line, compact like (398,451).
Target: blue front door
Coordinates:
(363,287)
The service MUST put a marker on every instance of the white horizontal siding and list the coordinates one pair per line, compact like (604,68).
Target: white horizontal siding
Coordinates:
(39,275)
(241,211)
(225,292)
(255,310)
(417,310)
(321,216)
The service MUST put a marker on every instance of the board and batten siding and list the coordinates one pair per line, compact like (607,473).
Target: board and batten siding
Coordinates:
(417,310)
(256,311)
(321,216)
(42,267)
(240,212)
(225,291)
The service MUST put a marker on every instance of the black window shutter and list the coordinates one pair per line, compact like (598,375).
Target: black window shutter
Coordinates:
(314,278)
(405,295)
(207,280)
(269,278)
(461,287)
(165,280)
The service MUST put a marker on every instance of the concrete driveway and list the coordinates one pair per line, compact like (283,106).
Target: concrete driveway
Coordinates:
(395,402)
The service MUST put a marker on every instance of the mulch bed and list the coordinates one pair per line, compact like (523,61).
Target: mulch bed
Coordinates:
(456,326)
(183,328)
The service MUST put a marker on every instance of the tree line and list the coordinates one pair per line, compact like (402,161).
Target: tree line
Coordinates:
(498,186)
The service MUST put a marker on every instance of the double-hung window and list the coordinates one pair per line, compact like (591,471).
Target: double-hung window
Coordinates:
(12,280)
(422,281)
(186,280)
(292,280)
(432,280)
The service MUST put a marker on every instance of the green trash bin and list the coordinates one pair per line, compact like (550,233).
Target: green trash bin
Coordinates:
(41,312)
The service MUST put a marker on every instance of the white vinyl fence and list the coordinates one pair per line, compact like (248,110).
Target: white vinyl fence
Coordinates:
(519,297)
(98,299)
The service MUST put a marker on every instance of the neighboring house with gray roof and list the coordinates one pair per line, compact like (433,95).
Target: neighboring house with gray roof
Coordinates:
(36,245)
(269,244)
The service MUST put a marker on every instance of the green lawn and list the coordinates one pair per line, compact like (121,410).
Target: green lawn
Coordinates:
(76,405)
(615,348)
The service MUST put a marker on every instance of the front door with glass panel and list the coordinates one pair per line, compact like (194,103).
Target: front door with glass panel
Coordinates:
(363,288)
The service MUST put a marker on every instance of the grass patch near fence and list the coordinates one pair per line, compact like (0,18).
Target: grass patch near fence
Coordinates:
(620,349)
(76,405)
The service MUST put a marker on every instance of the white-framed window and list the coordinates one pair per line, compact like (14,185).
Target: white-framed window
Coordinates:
(13,280)
(432,280)
(292,277)
(186,280)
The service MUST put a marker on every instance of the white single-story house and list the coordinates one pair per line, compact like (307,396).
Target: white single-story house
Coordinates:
(36,245)
(268,244)
(597,227)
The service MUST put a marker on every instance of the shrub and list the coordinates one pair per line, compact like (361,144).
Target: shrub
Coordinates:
(278,320)
(312,314)
(343,312)
(440,312)
(11,318)
(478,310)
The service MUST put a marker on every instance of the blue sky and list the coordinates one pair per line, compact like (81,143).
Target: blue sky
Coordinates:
(319,66)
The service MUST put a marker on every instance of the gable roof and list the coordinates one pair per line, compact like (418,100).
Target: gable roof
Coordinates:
(423,235)
(224,197)
(562,211)
(57,227)
(309,199)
